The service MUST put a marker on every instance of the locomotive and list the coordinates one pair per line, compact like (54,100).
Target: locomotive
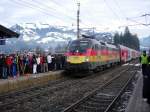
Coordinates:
(87,54)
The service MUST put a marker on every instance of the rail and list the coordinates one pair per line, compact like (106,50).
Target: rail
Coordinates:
(103,98)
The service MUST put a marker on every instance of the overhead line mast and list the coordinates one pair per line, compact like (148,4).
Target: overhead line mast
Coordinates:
(78,20)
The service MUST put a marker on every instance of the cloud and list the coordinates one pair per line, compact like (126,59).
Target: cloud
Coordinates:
(94,13)
(1,9)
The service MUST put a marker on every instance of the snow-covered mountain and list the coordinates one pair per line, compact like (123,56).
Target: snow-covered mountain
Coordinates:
(43,33)
(44,36)
(47,36)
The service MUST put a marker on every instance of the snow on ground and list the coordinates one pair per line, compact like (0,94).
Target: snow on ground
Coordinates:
(125,64)
(137,64)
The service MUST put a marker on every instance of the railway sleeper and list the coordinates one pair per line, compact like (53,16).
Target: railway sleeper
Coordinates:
(100,100)
(102,94)
(84,108)
(96,104)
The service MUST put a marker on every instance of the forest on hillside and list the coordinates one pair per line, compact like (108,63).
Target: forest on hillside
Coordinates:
(127,39)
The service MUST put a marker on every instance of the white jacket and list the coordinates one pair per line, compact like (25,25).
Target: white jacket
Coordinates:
(49,59)
(38,60)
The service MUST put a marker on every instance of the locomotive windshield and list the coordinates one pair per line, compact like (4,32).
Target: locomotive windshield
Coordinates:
(79,46)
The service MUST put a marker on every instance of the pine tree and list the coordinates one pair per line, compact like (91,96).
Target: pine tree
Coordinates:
(117,38)
(127,39)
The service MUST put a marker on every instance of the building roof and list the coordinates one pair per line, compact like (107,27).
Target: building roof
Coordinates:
(7,33)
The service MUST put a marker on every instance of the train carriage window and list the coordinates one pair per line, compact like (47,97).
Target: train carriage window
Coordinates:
(106,50)
(102,47)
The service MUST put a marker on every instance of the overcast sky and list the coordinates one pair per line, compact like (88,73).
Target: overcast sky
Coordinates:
(105,15)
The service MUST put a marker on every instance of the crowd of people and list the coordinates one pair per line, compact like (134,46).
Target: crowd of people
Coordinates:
(15,65)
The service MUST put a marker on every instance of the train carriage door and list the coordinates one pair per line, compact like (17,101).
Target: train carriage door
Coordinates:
(110,52)
(97,52)
(102,54)
(105,54)
(93,53)
(129,58)
(93,57)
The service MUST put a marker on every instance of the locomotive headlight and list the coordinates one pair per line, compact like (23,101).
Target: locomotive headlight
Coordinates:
(68,59)
(86,59)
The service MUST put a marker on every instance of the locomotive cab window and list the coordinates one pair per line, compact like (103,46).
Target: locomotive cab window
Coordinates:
(79,46)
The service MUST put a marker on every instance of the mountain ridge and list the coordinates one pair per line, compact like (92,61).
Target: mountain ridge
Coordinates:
(46,36)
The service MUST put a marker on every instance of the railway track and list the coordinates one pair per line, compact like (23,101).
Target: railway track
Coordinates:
(8,99)
(48,96)
(103,98)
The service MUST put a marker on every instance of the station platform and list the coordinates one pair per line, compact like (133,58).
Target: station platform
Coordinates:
(31,80)
(136,102)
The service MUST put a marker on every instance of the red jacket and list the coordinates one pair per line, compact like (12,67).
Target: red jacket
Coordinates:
(9,61)
(41,60)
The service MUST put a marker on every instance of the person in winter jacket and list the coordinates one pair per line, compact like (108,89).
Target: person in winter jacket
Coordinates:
(45,65)
(14,67)
(4,67)
(49,61)
(9,62)
(38,64)
(41,63)
(34,65)
(144,63)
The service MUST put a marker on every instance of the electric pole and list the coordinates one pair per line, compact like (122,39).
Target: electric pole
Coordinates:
(93,30)
(78,20)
